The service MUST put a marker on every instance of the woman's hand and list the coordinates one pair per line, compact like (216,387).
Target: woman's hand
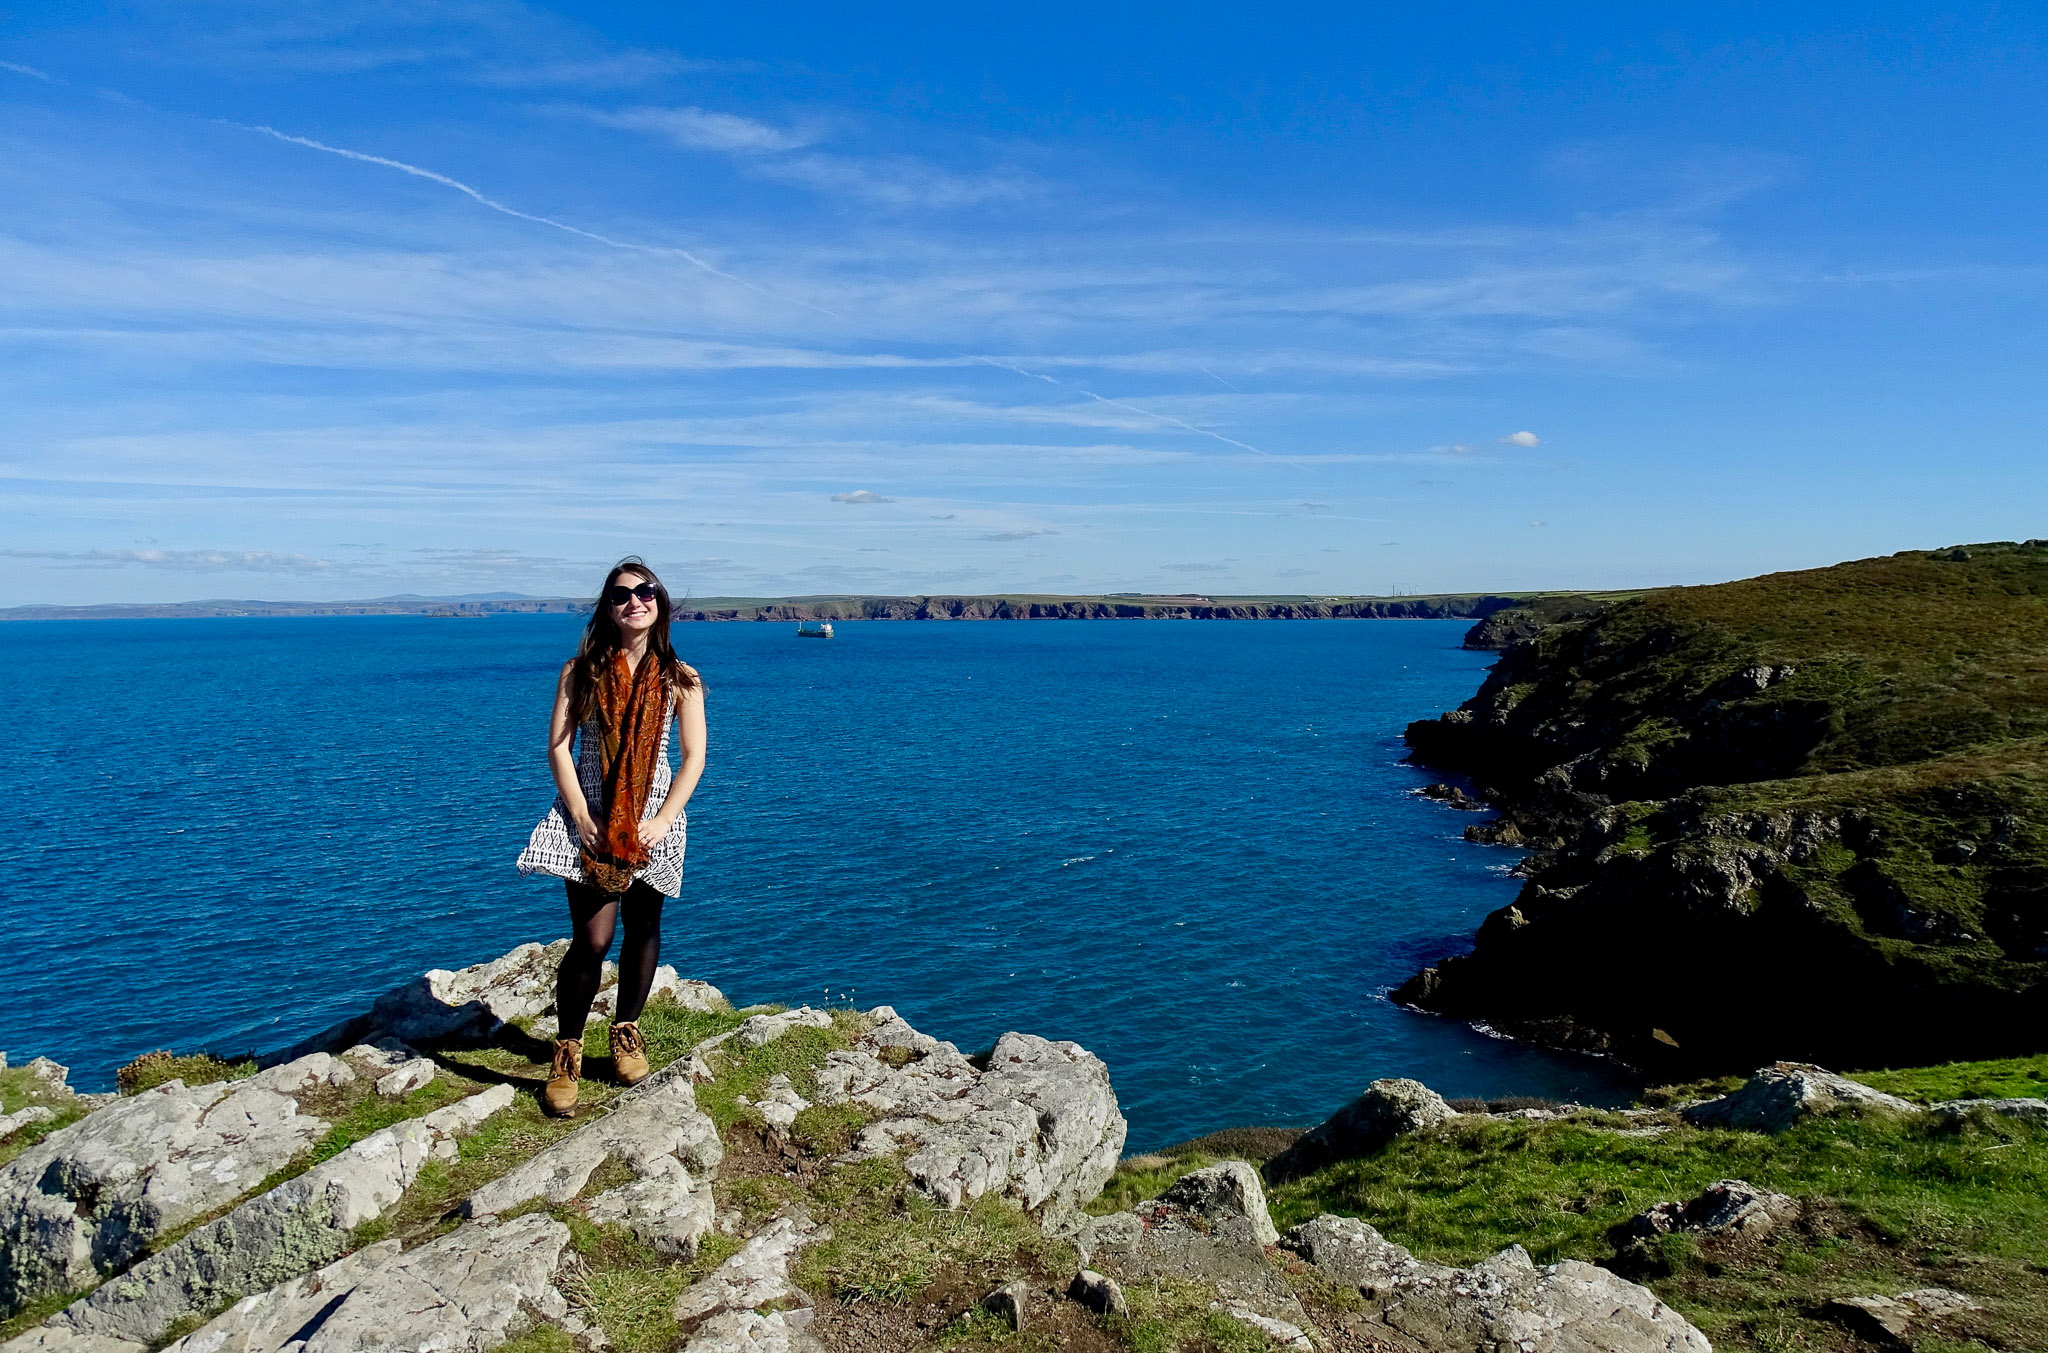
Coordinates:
(586,826)
(652,829)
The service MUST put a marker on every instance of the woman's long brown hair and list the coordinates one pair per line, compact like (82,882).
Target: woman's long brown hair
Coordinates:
(601,641)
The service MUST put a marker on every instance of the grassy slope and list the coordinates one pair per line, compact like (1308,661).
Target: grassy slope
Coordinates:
(1896,659)
(1891,1205)
(1912,727)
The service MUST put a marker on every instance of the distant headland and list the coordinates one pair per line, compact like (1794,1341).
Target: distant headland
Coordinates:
(1019,606)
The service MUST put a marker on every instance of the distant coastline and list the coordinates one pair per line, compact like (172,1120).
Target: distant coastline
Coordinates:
(1106,606)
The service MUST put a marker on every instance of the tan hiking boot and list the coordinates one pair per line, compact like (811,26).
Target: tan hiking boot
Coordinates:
(559,1096)
(629,1053)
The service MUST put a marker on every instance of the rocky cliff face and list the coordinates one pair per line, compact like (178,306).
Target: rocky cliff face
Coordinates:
(1805,816)
(1025,608)
(787,1181)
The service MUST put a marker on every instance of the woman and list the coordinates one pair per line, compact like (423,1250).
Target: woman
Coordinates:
(616,833)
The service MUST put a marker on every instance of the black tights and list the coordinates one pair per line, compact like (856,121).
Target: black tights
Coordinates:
(594,914)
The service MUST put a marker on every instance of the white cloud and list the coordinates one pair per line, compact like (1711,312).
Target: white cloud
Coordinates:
(1021,534)
(195,561)
(1520,439)
(1194,568)
(704,129)
(29,71)
(894,181)
(860,496)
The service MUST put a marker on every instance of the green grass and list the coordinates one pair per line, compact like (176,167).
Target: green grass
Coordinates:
(797,1055)
(625,1287)
(1893,1204)
(977,1328)
(1166,1316)
(21,1088)
(372,1113)
(890,1243)
(2009,1078)
(152,1069)
(36,1312)
(670,1030)
(1136,1181)
(540,1339)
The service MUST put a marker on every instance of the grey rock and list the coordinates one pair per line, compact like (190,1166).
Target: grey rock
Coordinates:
(2025,1110)
(1199,1230)
(1352,1254)
(1892,1321)
(21,1118)
(691,995)
(471,1003)
(53,1075)
(1280,1332)
(1505,1302)
(653,1128)
(1726,1207)
(87,1200)
(754,1277)
(1010,1303)
(1040,1124)
(1388,1109)
(1098,1292)
(62,1339)
(293,1229)
(394,1068)
(748,1332)
(468,1291)
(1785,1094)
(671,1211)
(758,1031)
(779,1103)
(1223,1192)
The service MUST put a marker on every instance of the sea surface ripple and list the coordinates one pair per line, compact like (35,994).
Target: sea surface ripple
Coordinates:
(1191,847)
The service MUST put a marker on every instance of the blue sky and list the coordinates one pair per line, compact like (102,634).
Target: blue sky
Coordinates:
(345,300)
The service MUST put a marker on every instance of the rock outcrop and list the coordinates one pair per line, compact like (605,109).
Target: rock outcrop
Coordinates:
(470,1006)
(1503,1302)
(1039,1124)
(2025,1110)
(748,1303)
(88,1200)
(656,1131)
(1725,1208)
(1780,1097)
(293,1229)
(1388,1109)
(1209,1227)
(465,1293)
(1892,1322)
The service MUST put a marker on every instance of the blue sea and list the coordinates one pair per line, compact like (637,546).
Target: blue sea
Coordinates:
(1190,846)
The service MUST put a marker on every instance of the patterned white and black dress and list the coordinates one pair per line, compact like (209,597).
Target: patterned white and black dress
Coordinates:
(553,848)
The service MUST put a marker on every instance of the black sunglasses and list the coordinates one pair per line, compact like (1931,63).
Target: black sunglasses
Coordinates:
(620,594)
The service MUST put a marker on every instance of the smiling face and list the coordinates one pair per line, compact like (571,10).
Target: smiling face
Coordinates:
(636,615)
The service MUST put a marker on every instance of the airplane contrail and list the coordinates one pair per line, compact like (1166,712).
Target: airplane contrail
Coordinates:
(459,186)
(1133,408)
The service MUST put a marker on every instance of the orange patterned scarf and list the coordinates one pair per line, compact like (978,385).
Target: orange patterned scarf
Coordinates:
(631,709)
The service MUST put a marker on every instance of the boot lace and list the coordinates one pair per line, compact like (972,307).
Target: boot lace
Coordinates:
(626,1038)
(568,1057)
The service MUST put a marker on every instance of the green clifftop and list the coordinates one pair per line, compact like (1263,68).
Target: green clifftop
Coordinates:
(1799,815)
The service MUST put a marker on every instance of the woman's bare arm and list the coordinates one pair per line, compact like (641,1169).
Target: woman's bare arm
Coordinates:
(562,759)
(689,769)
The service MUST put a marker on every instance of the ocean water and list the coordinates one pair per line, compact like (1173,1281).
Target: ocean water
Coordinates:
(1191,847)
